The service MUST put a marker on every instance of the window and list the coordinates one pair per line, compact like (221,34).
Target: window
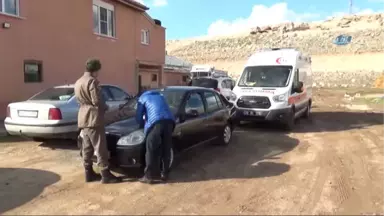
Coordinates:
(195,102)
(105,94)
(219,102)
(9,7)
(55,94)
(103,18)
(185,78)
(295,80)
(226,84)
(118,94)
(145,36)
(33,71)
(154,77)
(211,101)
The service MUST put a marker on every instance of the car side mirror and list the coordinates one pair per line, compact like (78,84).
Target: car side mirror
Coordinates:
(299,87)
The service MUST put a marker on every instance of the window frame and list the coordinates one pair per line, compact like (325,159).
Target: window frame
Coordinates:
(40,70)
(153,77)
(109,89)
(183,110)
(110,10)
(206,101)
(2,11)
(105,89)
(296,80)
(145,36)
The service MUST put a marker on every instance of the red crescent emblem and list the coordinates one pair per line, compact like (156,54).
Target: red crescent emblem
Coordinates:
(278,60)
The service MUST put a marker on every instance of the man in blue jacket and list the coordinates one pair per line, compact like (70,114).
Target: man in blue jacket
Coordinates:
(158,125)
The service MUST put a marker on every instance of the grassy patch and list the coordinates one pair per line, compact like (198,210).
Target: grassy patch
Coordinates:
(369,101)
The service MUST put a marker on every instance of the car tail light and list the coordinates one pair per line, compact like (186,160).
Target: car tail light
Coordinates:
(54,114)
(217,89)
(8,112)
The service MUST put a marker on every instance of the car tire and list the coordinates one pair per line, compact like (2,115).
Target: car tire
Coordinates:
(226,135)
(289,123)
(307,113)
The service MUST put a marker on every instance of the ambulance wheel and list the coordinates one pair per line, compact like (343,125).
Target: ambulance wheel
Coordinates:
(307,113)
(289,123)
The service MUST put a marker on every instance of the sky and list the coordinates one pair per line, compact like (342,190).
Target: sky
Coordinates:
(195,18)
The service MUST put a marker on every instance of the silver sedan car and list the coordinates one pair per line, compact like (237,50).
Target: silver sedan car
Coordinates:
(52,113)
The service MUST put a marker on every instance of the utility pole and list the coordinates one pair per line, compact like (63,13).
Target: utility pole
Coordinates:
(350,7)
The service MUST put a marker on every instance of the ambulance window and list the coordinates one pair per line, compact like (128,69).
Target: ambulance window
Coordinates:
(295,80)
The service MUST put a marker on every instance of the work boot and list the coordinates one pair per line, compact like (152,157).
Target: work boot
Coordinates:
(91,175)
(146,180)
(164,176)
(107,177)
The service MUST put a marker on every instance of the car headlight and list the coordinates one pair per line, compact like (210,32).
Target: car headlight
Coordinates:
(232,97)
(281,98)
(134,138)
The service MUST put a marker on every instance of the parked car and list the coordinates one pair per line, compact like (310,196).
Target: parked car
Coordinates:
(224,85)
(52,113)
(201,117)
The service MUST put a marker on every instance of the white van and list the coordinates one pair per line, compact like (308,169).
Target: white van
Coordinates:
(276,85)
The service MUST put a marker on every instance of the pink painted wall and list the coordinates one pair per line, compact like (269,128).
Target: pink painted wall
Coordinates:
(60,33)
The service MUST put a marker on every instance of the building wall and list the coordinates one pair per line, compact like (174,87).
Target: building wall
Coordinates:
(60,34)
(174,78)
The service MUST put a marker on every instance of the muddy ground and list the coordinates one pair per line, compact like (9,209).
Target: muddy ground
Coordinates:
(331,164)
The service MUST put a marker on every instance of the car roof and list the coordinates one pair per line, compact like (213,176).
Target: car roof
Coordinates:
(185,88)
(73,86)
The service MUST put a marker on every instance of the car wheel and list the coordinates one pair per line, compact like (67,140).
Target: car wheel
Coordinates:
(289,123)
(226,136)
(307,113)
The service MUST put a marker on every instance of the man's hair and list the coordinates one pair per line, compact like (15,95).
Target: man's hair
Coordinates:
(93,65)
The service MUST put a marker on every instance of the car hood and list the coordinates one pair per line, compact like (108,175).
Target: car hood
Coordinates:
(125,126)
(122,127)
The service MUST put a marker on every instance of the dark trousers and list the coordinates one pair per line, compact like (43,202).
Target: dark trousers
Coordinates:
(158,147)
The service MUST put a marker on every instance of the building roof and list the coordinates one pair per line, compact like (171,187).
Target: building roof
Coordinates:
(174,62)
(134,4)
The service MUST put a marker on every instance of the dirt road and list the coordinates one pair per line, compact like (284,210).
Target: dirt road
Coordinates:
(332,164)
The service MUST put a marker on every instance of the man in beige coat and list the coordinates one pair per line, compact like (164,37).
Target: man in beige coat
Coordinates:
(91,123)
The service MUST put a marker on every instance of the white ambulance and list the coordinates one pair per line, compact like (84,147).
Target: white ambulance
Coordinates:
(276,85)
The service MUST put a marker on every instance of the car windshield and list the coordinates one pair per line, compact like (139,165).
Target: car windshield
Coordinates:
(265,76)
(205,82)
(200,74)
(55,94)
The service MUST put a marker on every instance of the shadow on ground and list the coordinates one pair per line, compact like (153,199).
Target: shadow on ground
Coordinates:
(248,156)
(323,122)
(19,186)
(12,139)
(60,144)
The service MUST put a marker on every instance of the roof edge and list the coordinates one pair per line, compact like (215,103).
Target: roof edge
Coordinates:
(135,5)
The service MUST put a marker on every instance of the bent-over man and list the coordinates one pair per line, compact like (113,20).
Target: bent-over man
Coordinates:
(159,124)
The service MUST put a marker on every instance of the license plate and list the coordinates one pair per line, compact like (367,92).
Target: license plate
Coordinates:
(253,113)
(29,114)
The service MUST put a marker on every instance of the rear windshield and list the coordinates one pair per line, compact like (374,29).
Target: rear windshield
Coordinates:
(204,82)
(173,98)
(265,76)
(55,94)
(200,74)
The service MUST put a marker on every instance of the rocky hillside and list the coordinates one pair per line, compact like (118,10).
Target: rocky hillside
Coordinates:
(361,60)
